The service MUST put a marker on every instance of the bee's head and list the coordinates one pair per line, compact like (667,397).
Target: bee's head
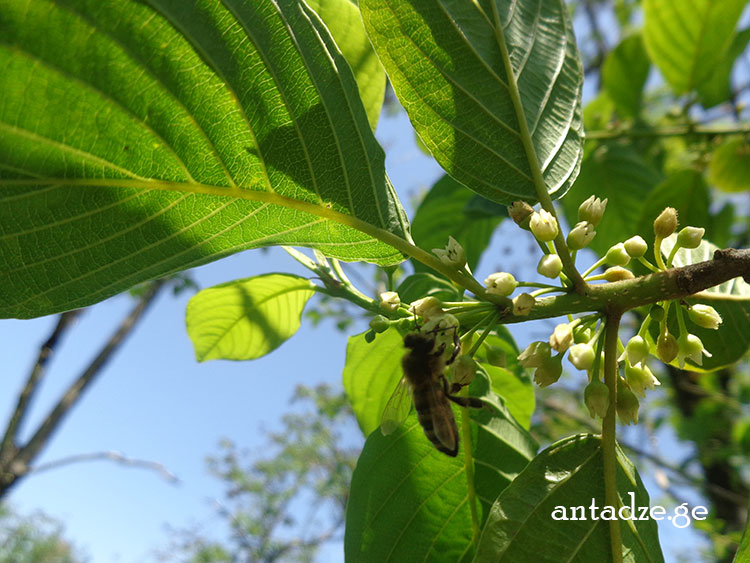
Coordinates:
(419,342)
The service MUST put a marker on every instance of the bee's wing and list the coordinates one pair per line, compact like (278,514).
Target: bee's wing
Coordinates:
(397,408)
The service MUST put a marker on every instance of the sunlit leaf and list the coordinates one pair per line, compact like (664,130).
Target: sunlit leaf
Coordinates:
(492,87)
(566,476)
(624,74)
(246,319)
(730,166)
(689,40)
(142,138)
(718,88)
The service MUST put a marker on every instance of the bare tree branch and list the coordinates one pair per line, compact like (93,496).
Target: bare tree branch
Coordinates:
(117,457)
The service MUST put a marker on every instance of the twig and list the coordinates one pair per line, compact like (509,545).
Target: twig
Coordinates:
(673,131)
(117,457)
(31,449)
(8,446)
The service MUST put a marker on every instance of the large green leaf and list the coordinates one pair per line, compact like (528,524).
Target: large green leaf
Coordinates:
(442,213)
(343,21)
(620,174)
(731,300)
(371,373)
(493,87)
(246,319)
(569,474)
(718,88)
(730,166)
(409,502)
(624,75)
(142,138)
(689,40)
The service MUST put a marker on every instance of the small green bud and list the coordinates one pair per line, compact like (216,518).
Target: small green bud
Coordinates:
(453,255)
(543,225)
(535,355)
(521,212)
(523,304)
(627,404)
(617,273)
(596,398)
(666,347)
(561,338)
(639,378)
(636,247)
(657,313)
(666,223)
(389,301)
(550,372)
(592,210)
(617,255)
(581,235)
(636,350)
(705,316)
(690,237)
(582,335)
(582,356)
(550,266)
(500,283)
(379,323)
(690,347)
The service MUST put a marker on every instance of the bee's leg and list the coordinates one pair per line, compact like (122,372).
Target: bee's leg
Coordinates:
(472,402)
(456,346)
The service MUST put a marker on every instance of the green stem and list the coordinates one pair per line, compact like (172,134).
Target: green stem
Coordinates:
(609,427)
(490,323)
(469,468)
(674,131)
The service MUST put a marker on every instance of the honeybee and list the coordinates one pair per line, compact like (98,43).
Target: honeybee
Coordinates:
(423,366)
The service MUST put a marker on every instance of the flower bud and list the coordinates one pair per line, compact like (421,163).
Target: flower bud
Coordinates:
(596,398)
(656,313)
(617,273)
(427,307)
(561,338)
(666,347)
(464,370)
(582,356)
(581,235)
(705,316)
(389,301)
(592,210)
(627,404)
(639,378)
(453,255)
(521,212)
(379,323)
(583,335)
(636,247)
(500,283)
(550,266)
(550,372)
(543,225)
(617,255)
(522,304)
(636,350)
(666,223)
(691,348)
(535,355)
(690,237)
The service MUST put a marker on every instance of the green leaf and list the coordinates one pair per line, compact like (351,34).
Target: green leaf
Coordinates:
(495,96)
(409,502)
(139,139)
(689,40)
(246,319)
(371,373)
(624,75)
(731,300)
(442,214)
(345,24)
(570,473)
(687,192)
(718,88)
(422,284)
(730,166)
(622,176)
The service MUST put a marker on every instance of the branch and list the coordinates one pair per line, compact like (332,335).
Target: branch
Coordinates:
(75,391)
(674,131)
(117,457)
(8,446)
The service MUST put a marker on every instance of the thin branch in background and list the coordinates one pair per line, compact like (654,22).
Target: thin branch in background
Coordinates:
(19,463)
(117,457)
(10,439)
(596,34)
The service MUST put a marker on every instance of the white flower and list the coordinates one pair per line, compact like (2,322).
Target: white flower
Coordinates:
(500,283)
(453,255)
(389,301)
(543,225)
